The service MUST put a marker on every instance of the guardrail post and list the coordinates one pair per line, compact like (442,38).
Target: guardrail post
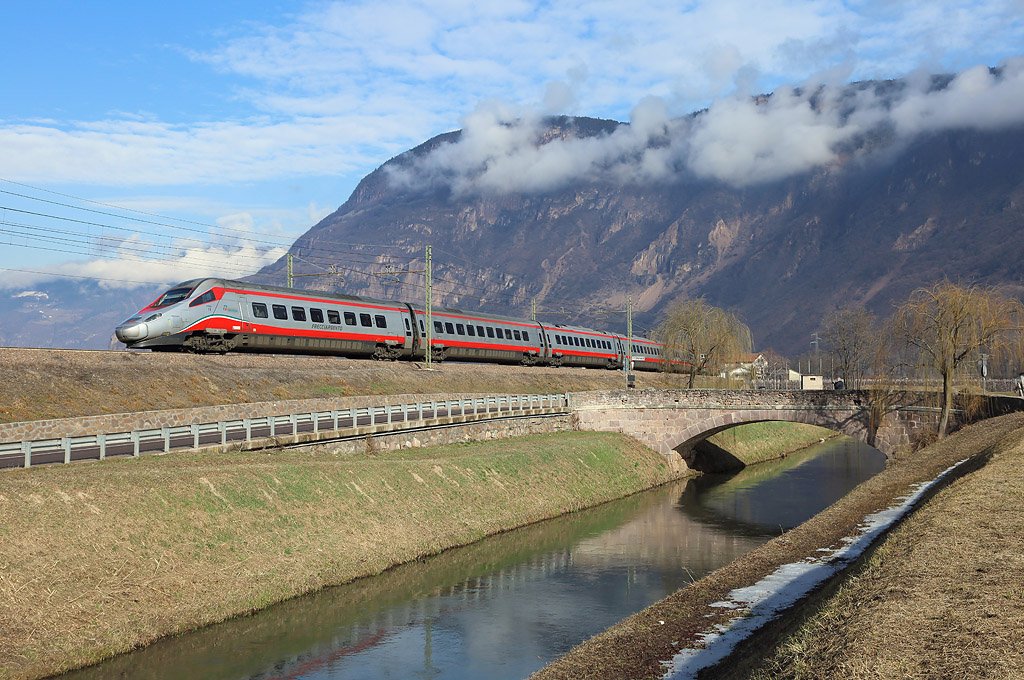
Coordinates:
(294,420)
(316,423)
(353,415)
(101,441)
(334,417)
(195,435)
(223,427)
(165,432)
(247,424)
(388,409)
(65,443)
(272,420)
(135,444)
(26,449)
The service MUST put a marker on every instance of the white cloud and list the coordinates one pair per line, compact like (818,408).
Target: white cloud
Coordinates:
(739,140)
(124,267)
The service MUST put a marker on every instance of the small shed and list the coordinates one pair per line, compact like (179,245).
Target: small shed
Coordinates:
(811,382)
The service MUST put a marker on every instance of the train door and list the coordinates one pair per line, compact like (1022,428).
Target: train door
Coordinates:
(413,337)
(545,346)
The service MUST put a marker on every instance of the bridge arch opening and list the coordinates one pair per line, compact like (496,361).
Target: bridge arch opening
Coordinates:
(713,452)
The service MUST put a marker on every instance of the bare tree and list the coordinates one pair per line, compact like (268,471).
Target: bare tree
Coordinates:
(850,334)
(702,335)
(949,324)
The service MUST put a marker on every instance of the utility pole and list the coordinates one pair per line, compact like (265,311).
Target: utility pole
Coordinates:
(290,270)
(427,313)
(533,309)
(815,342)
(627,365)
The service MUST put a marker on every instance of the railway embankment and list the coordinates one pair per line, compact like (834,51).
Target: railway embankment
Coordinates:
(942,595)
(40,384)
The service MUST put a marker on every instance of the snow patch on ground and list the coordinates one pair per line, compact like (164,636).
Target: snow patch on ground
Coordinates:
(762,602)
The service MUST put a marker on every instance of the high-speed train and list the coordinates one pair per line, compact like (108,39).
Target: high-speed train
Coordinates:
(220,315)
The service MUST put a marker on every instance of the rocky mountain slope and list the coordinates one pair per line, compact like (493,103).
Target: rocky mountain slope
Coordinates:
(867,227)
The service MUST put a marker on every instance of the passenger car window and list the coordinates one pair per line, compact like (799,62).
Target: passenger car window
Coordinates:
(438,328)
(365,320)
(380,321)
(480,331)
(517,334)
(280,312)
(490,331)
(350,318)
(471,331)
(526,336)
(316,315)
(259,310)
(449,328)
(298,313)
(333,316)
(460,329)
(422,329)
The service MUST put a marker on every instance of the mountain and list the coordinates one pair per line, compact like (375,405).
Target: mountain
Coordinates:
(888,212)
(778,207)
(71,314)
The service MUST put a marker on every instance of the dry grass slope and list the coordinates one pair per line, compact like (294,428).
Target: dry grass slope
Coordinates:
(98,558)
(942,597)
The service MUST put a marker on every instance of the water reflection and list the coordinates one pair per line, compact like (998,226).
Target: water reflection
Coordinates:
(504,607)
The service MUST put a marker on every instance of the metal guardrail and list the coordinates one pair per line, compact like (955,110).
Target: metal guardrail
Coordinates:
(220,433)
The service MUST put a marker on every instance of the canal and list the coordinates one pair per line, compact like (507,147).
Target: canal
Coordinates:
(506,606)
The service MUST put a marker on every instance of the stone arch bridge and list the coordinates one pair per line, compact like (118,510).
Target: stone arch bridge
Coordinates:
(676,423)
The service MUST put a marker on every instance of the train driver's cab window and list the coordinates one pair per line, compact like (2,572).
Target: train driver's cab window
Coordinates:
(449,328)
(438,327)
(280,312)
(208,296)
(350,318)
(365,321)
(333,317)
(259,310)
(316,315)
(379,321)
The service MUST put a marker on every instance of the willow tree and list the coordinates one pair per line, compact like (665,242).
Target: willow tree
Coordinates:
(949,324)
(702,336)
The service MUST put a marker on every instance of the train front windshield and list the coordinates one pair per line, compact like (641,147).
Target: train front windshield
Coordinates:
(172,296)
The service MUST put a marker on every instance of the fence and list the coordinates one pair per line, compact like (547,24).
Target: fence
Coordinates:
(364,420)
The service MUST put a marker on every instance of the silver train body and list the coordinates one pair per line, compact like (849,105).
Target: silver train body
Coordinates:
(220,315)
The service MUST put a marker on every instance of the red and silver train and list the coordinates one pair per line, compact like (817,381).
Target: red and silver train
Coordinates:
(219,315)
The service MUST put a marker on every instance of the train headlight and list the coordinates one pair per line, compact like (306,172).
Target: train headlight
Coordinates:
(153,316)
(132,333)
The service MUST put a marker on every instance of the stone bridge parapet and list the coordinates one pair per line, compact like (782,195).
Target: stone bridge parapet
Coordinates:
(673,422)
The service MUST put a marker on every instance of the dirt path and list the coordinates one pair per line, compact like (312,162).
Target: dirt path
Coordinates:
(638,646)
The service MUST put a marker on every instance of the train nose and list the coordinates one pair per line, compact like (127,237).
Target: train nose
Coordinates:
(132,333)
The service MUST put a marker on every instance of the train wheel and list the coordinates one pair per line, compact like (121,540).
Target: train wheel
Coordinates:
(438,354)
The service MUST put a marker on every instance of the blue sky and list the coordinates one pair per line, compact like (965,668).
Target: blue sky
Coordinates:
(259,118)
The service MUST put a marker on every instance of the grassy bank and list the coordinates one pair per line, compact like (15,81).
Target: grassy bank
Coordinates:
(98,558)
(982,574)
(41,384)
(943,596)
(759,442)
